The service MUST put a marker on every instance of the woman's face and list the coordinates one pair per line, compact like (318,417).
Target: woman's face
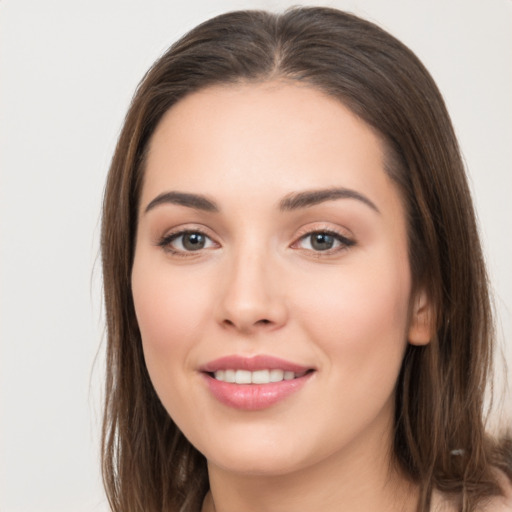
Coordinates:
(271,251)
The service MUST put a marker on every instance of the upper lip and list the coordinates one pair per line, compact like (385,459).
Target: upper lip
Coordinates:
(252,363)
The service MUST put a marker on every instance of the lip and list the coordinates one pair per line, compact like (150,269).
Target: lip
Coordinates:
(253,363)
(254,397)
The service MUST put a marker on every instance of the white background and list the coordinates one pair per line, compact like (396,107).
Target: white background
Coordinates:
(68,69)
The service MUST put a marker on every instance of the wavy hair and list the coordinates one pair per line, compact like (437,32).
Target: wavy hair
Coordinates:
(439,440)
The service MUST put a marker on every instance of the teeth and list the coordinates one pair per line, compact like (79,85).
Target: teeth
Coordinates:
(260,377)
(243,377)
(229,376)
(256,377)
(276,375)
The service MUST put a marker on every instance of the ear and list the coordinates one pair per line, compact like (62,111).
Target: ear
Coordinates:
(421,323)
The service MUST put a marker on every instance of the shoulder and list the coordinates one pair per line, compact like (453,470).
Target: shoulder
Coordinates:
(494,504)
(445,503)
(500,503)
(442,502)
(497,504)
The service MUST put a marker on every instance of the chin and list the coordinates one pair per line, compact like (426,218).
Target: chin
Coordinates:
(256,464)
(254,454)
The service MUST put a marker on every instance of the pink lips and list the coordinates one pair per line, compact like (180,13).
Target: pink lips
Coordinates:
(260,362)
(252,397)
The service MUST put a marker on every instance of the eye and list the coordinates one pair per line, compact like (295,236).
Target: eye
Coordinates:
(324,241)
(186,241)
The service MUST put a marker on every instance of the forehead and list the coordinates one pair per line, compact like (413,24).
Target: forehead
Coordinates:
(276,136)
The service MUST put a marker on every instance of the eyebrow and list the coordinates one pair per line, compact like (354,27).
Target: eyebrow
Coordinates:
(294,201)
(195,201)
(312,197)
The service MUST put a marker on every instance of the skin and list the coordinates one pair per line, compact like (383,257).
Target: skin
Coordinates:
(259,286)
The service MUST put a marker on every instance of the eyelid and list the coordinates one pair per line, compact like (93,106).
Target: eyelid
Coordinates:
(165,240)
(344,238)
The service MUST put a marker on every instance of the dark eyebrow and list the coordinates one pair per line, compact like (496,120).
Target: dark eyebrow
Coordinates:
(313,197)
(195,201)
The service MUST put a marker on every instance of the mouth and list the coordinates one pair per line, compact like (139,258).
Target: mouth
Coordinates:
(265,376)
(254,383)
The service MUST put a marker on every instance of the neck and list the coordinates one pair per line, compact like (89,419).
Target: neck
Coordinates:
(361,478)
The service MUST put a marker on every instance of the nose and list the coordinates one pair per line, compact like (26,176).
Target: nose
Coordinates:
(253,296)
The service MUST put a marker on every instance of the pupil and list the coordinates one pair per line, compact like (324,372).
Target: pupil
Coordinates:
(193,241)
(322,241)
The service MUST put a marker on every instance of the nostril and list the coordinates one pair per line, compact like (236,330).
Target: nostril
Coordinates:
(230,323)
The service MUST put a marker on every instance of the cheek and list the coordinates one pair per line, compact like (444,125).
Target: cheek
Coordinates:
(171,309)
(362,320)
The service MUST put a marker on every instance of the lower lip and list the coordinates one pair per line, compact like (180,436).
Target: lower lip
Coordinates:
(254,397)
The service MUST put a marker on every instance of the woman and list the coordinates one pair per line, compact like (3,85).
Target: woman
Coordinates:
(296,299)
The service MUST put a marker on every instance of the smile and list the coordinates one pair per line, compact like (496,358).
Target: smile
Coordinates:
(254,383)
(255,377)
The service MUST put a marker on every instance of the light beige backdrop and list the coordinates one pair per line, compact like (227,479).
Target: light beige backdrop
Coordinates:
(67,72)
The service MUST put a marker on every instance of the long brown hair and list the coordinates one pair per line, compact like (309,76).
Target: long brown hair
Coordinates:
(440,441)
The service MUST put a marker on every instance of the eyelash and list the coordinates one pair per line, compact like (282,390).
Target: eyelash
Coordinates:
(166,242)
(344,243)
